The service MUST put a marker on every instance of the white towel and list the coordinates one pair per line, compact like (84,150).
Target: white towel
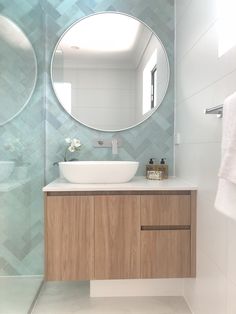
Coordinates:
(228,161)
(226,194)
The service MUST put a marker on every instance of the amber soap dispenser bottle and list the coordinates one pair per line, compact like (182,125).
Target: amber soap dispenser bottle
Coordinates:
(153,172)
(163,167)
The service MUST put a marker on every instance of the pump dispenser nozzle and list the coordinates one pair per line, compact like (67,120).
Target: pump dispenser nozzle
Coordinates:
(151,162)
(163,161)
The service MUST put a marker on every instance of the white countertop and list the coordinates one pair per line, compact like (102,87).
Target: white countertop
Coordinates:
(136,184)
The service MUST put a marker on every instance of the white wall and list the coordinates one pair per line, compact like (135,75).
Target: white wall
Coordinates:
(162,76)
(139,78)
(109,92)
(136,287)
(204,80)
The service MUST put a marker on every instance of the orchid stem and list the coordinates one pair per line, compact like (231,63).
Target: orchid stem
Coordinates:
(65,156)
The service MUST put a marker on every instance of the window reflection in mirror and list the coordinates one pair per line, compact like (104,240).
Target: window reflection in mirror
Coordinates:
(149,80)
(63,90)
(110,61)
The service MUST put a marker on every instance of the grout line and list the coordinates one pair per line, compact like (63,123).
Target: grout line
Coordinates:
(32,306)
(22,276)
(186,300)
(211,260)
(205,87)
(197,40)
(199,143)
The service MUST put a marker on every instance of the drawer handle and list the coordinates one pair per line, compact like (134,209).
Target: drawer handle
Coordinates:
(173,227)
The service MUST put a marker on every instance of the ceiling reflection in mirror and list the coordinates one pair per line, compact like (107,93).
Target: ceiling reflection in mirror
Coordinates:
(110,71)
(18,70)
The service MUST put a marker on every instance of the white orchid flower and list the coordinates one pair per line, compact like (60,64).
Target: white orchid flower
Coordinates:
(71,149)
(74,145)
(75,142)
(68,140)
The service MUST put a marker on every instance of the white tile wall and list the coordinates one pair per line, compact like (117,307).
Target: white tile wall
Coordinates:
(136,287)
(192,123)
(207,293)
(180,8)
(201,66)
(198,17)
(231,265)
(204,80)
(111,90)
(109,118)
(231,297)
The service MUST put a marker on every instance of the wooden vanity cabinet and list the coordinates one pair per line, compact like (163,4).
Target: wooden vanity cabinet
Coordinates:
(117,236)
(120,235)
(69,237)
(165,253)
(166,236)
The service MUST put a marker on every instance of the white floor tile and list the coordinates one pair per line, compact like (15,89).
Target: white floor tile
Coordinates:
(73,297)
(18,293)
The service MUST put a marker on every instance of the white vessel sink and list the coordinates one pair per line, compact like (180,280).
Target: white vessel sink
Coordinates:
(6,169)
(98,171)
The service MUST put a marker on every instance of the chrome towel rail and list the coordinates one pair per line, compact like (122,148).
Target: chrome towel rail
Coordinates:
(218,110)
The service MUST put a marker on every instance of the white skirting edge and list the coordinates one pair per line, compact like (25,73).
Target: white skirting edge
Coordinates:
(136,287)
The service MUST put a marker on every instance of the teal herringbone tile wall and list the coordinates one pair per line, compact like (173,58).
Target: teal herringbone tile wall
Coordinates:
(21,204)
(153,138)
(21,210)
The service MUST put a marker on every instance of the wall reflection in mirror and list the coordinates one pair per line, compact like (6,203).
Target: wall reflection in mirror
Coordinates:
(17,68)
(110,71)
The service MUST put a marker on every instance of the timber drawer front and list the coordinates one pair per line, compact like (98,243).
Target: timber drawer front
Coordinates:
(166,236)
(165,210)
(120,235)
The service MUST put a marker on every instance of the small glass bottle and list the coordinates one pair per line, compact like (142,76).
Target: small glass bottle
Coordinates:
(163,167)
(153,171)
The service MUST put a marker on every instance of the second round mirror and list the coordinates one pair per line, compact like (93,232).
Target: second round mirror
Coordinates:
(18,70)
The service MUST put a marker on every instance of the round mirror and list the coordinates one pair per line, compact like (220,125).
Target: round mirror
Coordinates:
(110,71)
(18,69)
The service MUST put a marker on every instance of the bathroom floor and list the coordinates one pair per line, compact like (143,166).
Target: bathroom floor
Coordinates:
(17,293)
(73,297)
